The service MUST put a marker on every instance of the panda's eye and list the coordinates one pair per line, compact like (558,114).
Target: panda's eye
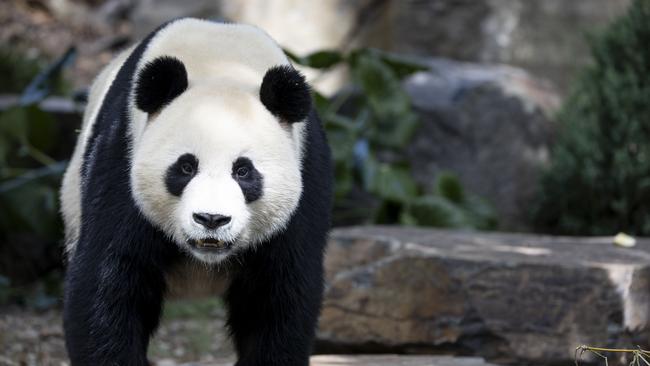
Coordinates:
(242,172)
(187,168)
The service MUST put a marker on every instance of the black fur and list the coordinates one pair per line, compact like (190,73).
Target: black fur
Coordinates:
(115,282)
(285,94)
(115,278)
(176,177)
(159,83)
(252,184)
(274,300)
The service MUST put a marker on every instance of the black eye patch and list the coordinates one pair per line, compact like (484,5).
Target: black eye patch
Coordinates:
(249,179)
(181,173)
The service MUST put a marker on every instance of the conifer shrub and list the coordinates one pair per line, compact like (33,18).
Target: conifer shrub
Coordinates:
(598,181)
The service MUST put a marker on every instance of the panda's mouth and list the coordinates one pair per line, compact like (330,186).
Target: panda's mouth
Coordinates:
(210,245)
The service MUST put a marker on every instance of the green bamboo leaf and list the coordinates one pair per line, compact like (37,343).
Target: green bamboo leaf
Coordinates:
(396,134)
(31,129)
(436,211)
(449,187)
(390,105)
(48,80)
(323,59)
(389,182)
(480,213)
(14,124)
(380,85)
(321,103)
(344,178)
(43,130)
(30,203)
(343,141)
(4,151)
(401,65)
(317,60)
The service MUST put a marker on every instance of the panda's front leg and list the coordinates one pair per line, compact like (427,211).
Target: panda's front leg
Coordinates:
(113,299)
(274,303)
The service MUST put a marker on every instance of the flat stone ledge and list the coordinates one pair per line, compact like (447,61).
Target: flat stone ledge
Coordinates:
(500,247)
(395,360)
(505,297)
(365,360)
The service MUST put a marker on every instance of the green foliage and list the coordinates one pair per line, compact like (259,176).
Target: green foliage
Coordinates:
(367,143)
(21,73)
(599,179)
(450,207)
(40,295)
(30,176)
(16,70)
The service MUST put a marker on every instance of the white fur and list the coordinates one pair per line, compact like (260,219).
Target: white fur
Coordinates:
(217,124)
(219,51)
(218,119)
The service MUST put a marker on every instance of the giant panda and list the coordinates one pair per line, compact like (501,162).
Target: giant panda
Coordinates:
(199,144)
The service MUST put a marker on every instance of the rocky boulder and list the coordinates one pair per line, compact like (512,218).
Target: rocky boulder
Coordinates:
(490,125)
(546,38)
(506,297)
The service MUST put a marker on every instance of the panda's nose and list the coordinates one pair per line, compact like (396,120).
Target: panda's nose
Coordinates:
(210,221)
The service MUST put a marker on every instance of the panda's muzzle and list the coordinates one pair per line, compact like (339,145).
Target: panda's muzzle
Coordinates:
(210,244)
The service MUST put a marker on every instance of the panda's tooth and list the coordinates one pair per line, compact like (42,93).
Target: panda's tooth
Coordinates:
(210,243)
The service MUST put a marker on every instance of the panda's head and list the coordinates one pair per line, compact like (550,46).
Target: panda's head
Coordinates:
(217,165)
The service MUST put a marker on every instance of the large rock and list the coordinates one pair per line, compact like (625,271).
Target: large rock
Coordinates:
(489,125)
(395,360)
(546,37)
(506,297)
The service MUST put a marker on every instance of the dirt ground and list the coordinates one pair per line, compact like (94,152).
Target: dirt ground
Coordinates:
(191,331)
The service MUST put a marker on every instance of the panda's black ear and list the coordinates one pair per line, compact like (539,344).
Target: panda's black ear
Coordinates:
(159,82)
(285,94)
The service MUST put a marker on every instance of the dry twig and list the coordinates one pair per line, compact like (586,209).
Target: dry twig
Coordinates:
(640,357)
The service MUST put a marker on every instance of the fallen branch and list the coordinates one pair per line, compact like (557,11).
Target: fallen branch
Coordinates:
(638,354)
